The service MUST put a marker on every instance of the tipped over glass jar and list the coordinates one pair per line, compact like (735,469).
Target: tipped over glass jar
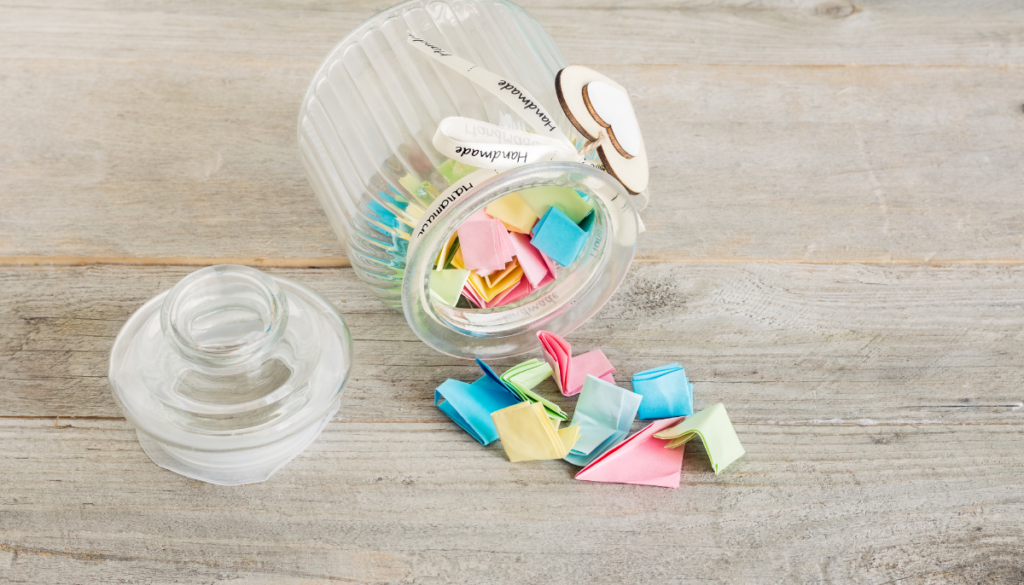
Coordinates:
(398,180)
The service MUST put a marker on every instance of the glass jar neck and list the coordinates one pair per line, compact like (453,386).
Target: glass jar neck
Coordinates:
(579,291)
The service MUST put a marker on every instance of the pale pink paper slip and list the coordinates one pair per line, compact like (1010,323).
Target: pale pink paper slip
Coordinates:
(531,259)
(481,248)
(570,372)
(640,460)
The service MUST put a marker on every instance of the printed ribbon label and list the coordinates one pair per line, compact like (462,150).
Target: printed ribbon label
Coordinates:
(490,147)
(516,98)
(447,200)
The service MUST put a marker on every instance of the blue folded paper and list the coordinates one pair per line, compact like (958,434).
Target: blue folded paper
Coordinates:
(559,237)
(471,405)
(666,392)
(605,415)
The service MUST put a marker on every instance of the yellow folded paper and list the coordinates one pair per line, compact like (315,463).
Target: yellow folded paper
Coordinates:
(527,434)
(497,278)
(541,199)
(444,256)
(490,286)
(488,292)
(514,213)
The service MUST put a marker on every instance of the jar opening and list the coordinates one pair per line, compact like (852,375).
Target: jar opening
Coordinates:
(526,310)
(576,293)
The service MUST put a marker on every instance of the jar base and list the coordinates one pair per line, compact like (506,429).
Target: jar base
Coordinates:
(235,468)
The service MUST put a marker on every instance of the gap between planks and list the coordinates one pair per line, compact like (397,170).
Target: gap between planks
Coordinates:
(334,262)
(778,423)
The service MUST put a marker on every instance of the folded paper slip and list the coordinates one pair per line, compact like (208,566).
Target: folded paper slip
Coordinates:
(512,271)
(604,415)
(501,282)
(641,459)
(528,435)
(482,287)
(566,200)
(447,285)
(522,378)
(471,405)
(485,245)
(444,257)
(666,392)
(559,237)
(535,267)
(512,211)
(569,372)
(715,429)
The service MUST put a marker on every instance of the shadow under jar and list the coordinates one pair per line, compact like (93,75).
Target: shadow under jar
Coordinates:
(365,138)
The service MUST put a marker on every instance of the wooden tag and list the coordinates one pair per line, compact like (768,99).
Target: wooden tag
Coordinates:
(595,103)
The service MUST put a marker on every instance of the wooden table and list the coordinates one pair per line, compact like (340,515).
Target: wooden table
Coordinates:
(835,251)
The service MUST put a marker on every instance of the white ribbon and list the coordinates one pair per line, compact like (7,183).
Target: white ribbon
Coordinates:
(490,147)
(516,98)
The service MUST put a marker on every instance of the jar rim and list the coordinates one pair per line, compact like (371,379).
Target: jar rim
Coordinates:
(561,309)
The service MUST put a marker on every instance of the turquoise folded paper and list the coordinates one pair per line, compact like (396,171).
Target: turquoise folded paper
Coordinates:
(559,237)
(605,415)
(471,405)
(666,390)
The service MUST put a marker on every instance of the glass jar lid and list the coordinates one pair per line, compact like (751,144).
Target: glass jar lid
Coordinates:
(231,373)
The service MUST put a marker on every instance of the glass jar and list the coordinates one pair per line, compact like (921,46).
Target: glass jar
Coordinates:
(365,131)
(231,373)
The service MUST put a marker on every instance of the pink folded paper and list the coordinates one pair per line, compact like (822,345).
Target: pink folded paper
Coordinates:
(480,215)
(470,293)
(550,264)
(535,267)
(506,245)
(641,459)
(486,246)
(512,295)
(570,372)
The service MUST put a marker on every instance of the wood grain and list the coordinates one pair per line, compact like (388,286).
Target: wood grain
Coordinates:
(171,134)
(424,503)
(768,32)
(776,343)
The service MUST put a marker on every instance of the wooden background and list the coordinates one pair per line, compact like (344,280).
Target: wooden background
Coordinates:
(835,251)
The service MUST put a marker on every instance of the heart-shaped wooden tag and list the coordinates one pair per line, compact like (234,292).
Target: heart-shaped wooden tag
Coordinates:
(595,104)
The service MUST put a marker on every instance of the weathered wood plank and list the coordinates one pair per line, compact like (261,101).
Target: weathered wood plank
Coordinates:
(820,164)
(773,32)
(775,342)
(424,503)
(168,130)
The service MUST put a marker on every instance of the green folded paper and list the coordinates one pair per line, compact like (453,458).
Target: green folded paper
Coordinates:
(446,285)
(715,430)
(524,377)
(569,202)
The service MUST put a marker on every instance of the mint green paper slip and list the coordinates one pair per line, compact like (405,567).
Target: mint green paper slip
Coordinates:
(446,285)
(541,199)
(524,377)
(715,430)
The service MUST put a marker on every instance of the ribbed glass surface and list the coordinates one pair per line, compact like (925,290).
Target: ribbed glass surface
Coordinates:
(366,123)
